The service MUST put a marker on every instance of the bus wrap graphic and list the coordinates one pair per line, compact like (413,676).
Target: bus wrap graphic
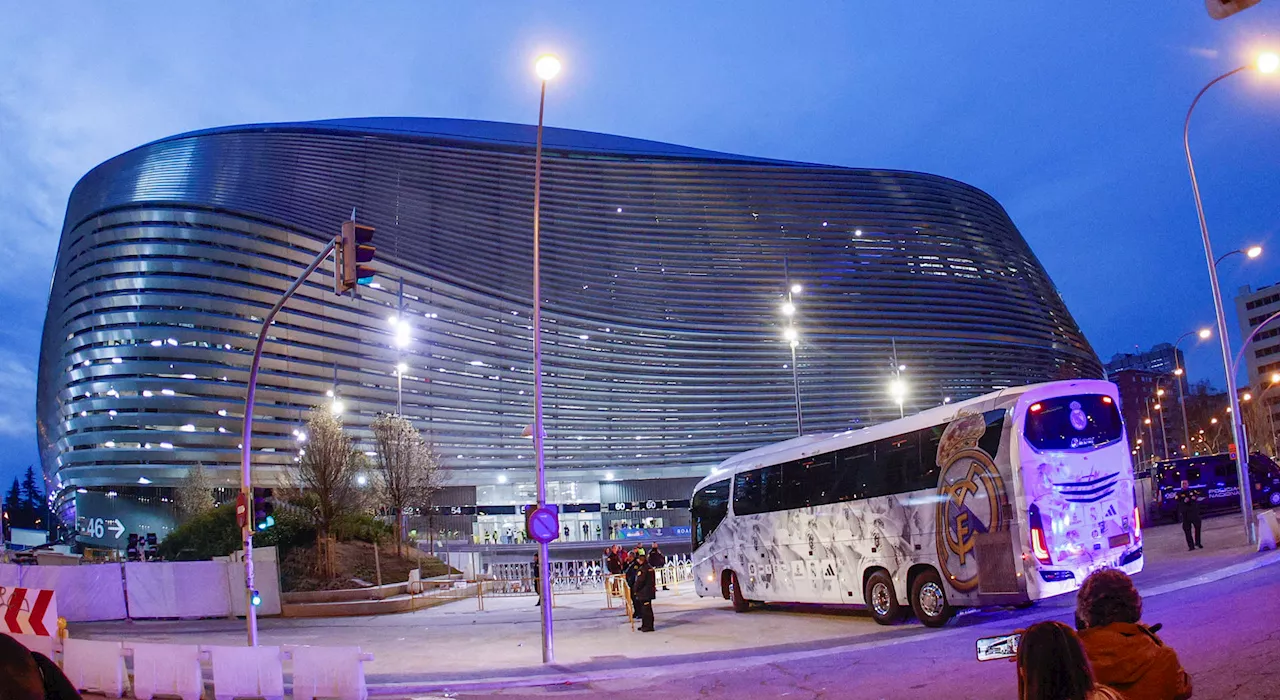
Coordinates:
(970,493)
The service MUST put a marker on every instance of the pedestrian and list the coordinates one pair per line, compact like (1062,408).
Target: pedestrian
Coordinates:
(630,571)
(613,559)
(644,591)
(537,578)
(1124,653)
(30,675)
(1052,666)
(1189,513)
(657,560)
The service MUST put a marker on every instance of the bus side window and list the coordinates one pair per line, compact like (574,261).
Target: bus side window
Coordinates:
(1193,474)
(809,482)
(925,474)
(758,491)
(859,475)
(898,457)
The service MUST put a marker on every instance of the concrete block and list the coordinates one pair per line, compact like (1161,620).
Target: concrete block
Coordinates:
(96,667)
(246,672)
(166,669)
(329,672)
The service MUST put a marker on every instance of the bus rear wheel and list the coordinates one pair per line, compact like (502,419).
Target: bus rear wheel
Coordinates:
(929,600)
(740,604)
(881,599)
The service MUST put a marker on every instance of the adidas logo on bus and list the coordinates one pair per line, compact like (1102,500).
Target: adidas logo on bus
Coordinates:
(1111,512)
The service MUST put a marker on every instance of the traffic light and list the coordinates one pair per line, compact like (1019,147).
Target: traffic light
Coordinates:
(263,508)
(355,252)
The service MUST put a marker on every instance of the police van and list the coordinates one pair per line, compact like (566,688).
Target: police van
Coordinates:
(1213,478)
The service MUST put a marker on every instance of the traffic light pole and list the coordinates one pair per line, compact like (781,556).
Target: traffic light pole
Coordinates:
(246,484)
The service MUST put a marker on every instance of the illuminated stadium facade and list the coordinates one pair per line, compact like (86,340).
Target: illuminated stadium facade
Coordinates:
(664,269)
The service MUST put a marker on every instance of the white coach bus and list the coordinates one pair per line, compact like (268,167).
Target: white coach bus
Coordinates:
(1003,499)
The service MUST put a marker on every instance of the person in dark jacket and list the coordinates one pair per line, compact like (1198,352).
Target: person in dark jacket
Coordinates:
(28,675)
(657,559)
(1189,514)
(1124,653)
(631,570)
(644,591)
(613,559)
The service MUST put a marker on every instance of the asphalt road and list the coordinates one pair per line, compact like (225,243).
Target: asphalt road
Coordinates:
(1226,633)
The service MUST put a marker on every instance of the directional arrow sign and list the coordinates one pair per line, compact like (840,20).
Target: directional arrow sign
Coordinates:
(117,527)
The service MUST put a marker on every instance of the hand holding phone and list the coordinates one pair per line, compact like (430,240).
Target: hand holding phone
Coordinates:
(1002,647)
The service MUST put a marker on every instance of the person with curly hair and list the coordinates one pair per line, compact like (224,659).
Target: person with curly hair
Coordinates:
(1126,654)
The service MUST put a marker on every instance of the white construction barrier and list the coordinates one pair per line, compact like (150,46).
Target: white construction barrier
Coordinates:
(1268,530)
(246,672)
(177,589)
(266,578)
(37,642)
(166,669)
(95,667)
(329,672)
(86,593)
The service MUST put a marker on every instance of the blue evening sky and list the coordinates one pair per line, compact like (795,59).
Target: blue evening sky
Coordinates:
(1070,114)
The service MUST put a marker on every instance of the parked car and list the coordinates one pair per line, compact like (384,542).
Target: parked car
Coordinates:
(1214,478)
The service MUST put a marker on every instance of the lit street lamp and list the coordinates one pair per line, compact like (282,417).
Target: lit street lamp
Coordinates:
(793,339)
(1202,334)
(1267,63)
(547,67)
(1251,252)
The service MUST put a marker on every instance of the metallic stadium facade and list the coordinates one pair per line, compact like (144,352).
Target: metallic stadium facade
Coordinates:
(663,271)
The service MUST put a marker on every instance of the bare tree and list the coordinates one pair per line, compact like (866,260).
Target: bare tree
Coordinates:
(408,469)
(195,494)
(327,474)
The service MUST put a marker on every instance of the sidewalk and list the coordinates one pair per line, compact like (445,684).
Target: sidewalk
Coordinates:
(456,643)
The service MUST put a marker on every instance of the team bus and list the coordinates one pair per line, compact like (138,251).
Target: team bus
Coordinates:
(1000,500)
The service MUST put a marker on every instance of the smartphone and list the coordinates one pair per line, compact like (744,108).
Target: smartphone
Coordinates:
(1002,647)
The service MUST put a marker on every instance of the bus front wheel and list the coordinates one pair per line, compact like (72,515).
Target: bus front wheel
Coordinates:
(881,599)
(929,600)
(740,604)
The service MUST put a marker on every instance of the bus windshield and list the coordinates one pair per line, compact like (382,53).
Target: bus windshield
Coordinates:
(1073,422)
(710,506)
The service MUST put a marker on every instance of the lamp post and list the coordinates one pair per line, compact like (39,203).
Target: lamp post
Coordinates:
(1203,334)
(401,368)
(898,385)
(793,339)
(546,67)
(1164,436)
(1267,63)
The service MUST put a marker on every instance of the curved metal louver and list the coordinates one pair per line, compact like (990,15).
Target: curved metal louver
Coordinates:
(664,268)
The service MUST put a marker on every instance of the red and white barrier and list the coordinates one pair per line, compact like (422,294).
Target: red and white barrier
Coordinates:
(29,611)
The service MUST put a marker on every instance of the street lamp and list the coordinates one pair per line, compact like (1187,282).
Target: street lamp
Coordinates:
(898,390)
(1267,63)
(1202,334)
(401,368)
(1251,252)
(547,67)
(793,339)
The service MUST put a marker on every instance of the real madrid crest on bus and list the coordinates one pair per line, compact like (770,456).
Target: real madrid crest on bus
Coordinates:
(971,495)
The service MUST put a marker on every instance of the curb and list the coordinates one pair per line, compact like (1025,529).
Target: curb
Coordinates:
(664,665)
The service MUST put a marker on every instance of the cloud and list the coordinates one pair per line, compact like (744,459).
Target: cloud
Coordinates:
(17,397)
(1203,52)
